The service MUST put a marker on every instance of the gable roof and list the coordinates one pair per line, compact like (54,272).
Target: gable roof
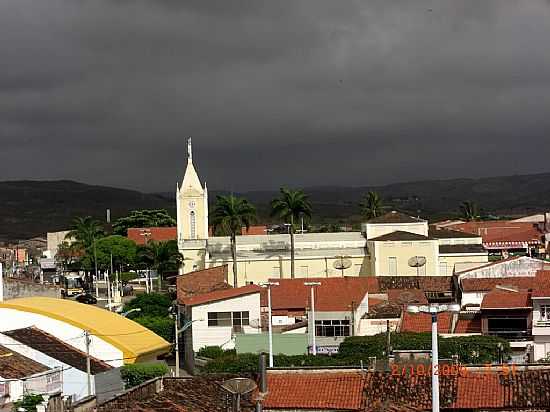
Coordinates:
(399,235)
(395,217)
(333,294)
(468,323)
(202,281)
(422,322)
(332,391)
(442,233)
(504,299)
(220,295)
(57,349)
(117,330)
(16,366)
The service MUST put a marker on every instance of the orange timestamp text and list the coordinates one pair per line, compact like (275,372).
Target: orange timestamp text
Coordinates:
(421,369)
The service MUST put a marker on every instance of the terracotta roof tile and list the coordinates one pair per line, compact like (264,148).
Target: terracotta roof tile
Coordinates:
(140,235)
(16,366)
(56,348)
(220,295)
(422,322)
(332,391)
(487,284)
(424,283)
(504,299)
(472,324)
(202,281)
(461,249)
(399,235)
(395,217)
(502,231)
(442,233)
(405,296)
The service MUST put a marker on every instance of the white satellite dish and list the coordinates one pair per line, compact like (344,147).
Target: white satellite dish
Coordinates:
(342,263)
(239,386)
(417,261)
(255,323)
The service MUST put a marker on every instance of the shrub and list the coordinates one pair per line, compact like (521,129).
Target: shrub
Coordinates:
(28,403)
(136,374)
(162,326)
(214,352)
(151,304)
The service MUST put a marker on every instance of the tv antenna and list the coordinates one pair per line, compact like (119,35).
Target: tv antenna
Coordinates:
(238,387)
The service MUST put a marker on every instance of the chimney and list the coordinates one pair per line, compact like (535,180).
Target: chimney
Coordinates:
(262,369)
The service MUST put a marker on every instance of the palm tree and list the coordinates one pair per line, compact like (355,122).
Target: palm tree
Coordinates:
(469,211)
(161,256)
(371,205)
(290,206)
(85,231)
(230,215)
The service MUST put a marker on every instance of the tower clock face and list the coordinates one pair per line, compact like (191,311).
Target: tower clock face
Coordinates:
(192,204)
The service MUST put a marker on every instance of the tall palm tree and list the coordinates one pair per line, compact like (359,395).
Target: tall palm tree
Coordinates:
(290,206)
(371,205)
(230,215)
(161,256)
(469,211)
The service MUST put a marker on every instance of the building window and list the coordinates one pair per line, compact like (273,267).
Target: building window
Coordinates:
(443,268)
(392,266)
(332,328)
(545,312)
(304,271)
(192,224)
(276,271)
(228,318)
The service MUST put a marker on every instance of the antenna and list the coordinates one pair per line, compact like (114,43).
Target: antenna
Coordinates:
(238,387)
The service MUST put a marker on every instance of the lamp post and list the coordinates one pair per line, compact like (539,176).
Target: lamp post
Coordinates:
(177,331)
(313,343)
(434,310)
(268,285)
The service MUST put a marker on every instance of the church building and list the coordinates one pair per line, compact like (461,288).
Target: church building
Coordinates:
(390,245)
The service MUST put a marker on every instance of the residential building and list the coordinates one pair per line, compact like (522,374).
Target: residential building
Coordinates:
(386,246)
(20,375)
(44,348)
(53,241)
(217,316)
(541,323)
(202,281)
(114,339)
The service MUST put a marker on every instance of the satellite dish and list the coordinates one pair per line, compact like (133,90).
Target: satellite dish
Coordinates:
(417,261)
(255,323)
(239,386)
(343,262)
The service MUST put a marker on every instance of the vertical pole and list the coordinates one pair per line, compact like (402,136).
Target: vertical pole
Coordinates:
(352,318)
(177,346)
(435,366)
(109,302)
(1,283)
(96,276)
(314,345)
(88,362)
(270,331)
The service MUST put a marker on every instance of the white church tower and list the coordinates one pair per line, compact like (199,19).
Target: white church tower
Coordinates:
(192,215)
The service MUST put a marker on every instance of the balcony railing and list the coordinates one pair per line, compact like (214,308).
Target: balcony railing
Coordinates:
(542,323)
(511,334)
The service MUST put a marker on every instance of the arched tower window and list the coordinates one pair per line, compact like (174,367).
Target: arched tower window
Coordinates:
(192,225)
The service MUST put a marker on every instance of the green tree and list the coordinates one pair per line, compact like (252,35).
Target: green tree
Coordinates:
(291,205)
(469,211)
(150,304)
(231,214)
(28,403)
(123,250)
(84,233)
(143,218)
(137,373)
(69,255)
(371,205)
(161,256)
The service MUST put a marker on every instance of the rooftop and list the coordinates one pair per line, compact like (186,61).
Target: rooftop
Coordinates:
(422,322)
(57,349)
(487,284)
(442,233)
(141,235)
(202,281)
(405,296)
(449,249)
(395,217)
(468,323)
(506,299)
(220,295)
(425,283)
(398,236)
(16,366)
(117,330)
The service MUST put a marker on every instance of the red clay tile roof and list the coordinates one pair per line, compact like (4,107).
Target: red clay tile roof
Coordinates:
(16,366)
(498,262)
(398,236)
(442,233)
(220,295)
(333,391)
(395,217)
(468,325)
(334,294)
(404,296)
(503,299)
(422,322)
(201,282)
(158,234)
(254,230)
(56,348)
(425,283)
(487,284)
(501,231)
(445,249)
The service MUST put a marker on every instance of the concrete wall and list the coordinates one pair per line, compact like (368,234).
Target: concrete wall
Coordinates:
(457,261)
(15,288)
(204,335)
(370,327)
(403,251)
(379,229)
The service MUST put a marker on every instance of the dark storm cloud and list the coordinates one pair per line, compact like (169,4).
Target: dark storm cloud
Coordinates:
(287,92)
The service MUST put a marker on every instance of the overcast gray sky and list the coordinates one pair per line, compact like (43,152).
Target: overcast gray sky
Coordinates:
(273,92)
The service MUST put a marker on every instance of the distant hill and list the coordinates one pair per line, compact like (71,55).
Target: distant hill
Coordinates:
(31,208)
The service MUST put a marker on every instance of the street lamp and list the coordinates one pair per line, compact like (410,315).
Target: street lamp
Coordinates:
(268,285)
(177,331)
(125,314)
(434,309)
(313,343)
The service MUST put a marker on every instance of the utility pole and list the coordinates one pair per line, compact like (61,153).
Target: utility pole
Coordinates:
(352,318)
(177,346)
(96,276)
(268,285)
(88,362)
(1,283)
(312,320)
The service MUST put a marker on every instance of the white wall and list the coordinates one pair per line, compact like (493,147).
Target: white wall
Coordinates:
(370,327)
(204,335)
(72,335)
(374,230)
(472,298)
